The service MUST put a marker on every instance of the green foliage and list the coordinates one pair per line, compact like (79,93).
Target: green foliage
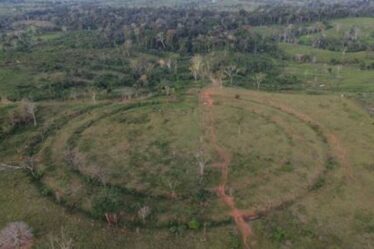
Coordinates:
(278,234)
(194,224)
(319,184)
(109,200)
(235,242)
(288,167)
(178,229)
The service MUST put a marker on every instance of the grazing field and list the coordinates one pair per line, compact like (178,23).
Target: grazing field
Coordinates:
(297,163)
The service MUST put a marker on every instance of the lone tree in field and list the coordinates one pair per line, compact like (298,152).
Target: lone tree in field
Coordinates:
(16,235)
(259,77)
(196,66)
(240,120)
(144,212)
(30,108)
(24,114)
(230,71)
(201,160)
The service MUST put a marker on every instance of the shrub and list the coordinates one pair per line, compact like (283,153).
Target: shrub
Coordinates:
(108,201)
(194,225)
(278,234)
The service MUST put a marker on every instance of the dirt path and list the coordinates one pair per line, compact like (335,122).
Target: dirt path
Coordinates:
(240,218)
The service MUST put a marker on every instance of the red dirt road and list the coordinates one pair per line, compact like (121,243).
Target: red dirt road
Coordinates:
(223,164)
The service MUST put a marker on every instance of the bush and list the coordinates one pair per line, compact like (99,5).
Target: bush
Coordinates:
(108,201)
(194,225)
(278,234)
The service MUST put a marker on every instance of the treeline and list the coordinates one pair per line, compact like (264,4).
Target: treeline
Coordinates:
(310,12)
(189,30)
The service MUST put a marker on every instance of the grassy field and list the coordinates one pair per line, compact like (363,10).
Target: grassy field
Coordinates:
(300,161)
(333,71)
(333,212)
(341,27)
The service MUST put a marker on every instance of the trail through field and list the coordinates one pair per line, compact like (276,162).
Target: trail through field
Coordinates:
(223,164)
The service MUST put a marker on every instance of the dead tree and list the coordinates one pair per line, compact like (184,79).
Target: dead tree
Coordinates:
(61,241)
(201,160)
(196,66)
(144,212)
(230,71)
(259,77)
(30,108)
(30,165)
(16,235)
(112,218)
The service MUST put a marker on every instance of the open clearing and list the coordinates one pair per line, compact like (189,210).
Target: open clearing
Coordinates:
(301,166)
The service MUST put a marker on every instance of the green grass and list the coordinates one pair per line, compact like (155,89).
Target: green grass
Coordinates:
(275,157)
(341,26)
(13,79)
(22,201)
(280,159)
(331,214)
(326,56)
(144,153)
(340,78)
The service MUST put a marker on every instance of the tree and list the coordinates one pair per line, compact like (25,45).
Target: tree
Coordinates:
(172,185)
(240,121)
(161,38)
(30,165)
(23,115)
(201,161)
(259,77)
(16,235)
(196,66)
(230,71)
(128,47)
(31,108)
(144,212)
(93,93)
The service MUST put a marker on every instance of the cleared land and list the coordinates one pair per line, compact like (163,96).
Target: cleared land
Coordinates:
(300,163)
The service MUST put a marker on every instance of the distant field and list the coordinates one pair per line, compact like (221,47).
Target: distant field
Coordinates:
(359,28)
